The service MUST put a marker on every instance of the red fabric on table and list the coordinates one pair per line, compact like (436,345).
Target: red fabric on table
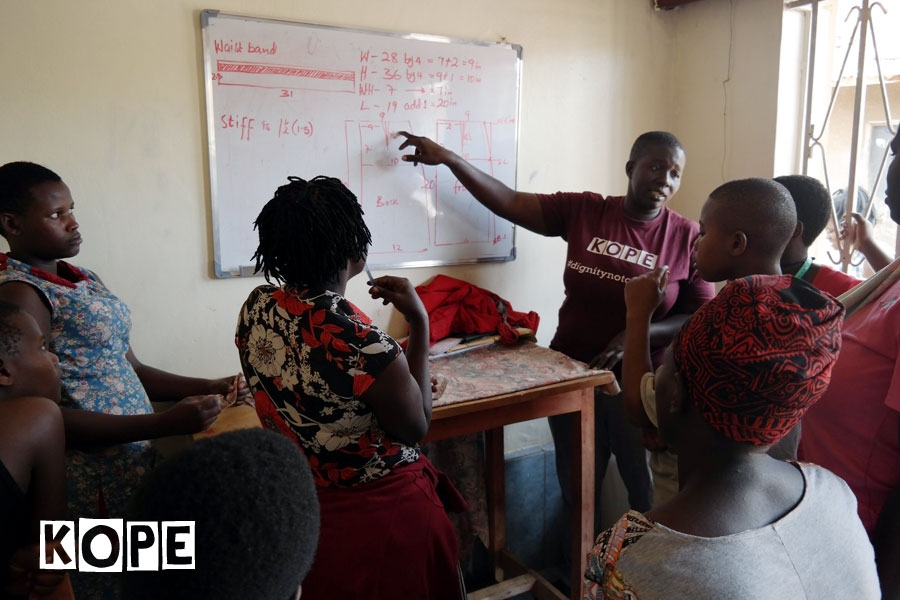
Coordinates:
(390,538)
(457,307)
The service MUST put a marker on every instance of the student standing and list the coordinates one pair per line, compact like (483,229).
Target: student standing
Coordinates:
(610,239)
(813,204)
(744,228)
(738,376)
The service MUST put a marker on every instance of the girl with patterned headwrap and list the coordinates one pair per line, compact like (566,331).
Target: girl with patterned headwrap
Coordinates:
(738,376)
(745,226)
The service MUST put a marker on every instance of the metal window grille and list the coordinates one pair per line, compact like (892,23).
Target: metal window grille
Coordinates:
(852,84)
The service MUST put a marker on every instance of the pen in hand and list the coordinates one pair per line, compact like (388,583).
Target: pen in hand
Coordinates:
(369,274)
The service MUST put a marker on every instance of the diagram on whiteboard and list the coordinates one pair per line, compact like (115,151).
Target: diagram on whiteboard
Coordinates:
(295,99)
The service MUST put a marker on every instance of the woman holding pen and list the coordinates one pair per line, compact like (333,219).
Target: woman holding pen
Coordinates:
(610,239)
(357,405)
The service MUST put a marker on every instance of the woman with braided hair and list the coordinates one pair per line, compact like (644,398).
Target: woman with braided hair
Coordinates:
(350,398)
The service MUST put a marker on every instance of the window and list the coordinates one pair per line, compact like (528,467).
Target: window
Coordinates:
(851,83)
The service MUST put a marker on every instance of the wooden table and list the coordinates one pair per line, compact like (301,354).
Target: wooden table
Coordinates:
(232,418)
(488,388)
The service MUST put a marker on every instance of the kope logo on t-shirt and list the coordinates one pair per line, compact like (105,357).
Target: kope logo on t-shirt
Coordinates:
(622,252)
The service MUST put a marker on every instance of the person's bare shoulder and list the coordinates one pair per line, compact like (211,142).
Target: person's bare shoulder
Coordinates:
(32,414)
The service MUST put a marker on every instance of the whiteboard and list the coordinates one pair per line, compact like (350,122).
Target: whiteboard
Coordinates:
(287,98)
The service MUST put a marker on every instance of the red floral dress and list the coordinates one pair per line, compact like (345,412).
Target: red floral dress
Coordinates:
(308,356)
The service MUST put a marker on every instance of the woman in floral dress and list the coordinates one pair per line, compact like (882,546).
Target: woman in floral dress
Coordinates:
(350,398)
(106,390)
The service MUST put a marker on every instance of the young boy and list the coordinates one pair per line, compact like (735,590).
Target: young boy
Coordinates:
(32,452)
(745,226)
(253,501)
(736,378)
(813,203)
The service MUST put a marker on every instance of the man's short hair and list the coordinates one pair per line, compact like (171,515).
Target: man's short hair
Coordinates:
(256,513)
(653,138)
(813,204)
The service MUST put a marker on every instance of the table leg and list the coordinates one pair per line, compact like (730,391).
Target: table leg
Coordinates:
(582,490)
(496,498)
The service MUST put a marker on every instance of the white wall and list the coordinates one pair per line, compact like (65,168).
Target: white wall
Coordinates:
(792,93)
(109,95)
(726,93)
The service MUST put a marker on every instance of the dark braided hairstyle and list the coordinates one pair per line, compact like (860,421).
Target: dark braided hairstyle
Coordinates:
(309,231)
(16,182)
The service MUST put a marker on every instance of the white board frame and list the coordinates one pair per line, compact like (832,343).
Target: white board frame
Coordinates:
(500,242)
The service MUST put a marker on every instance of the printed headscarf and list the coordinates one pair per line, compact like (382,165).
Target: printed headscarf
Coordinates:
(756,356)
